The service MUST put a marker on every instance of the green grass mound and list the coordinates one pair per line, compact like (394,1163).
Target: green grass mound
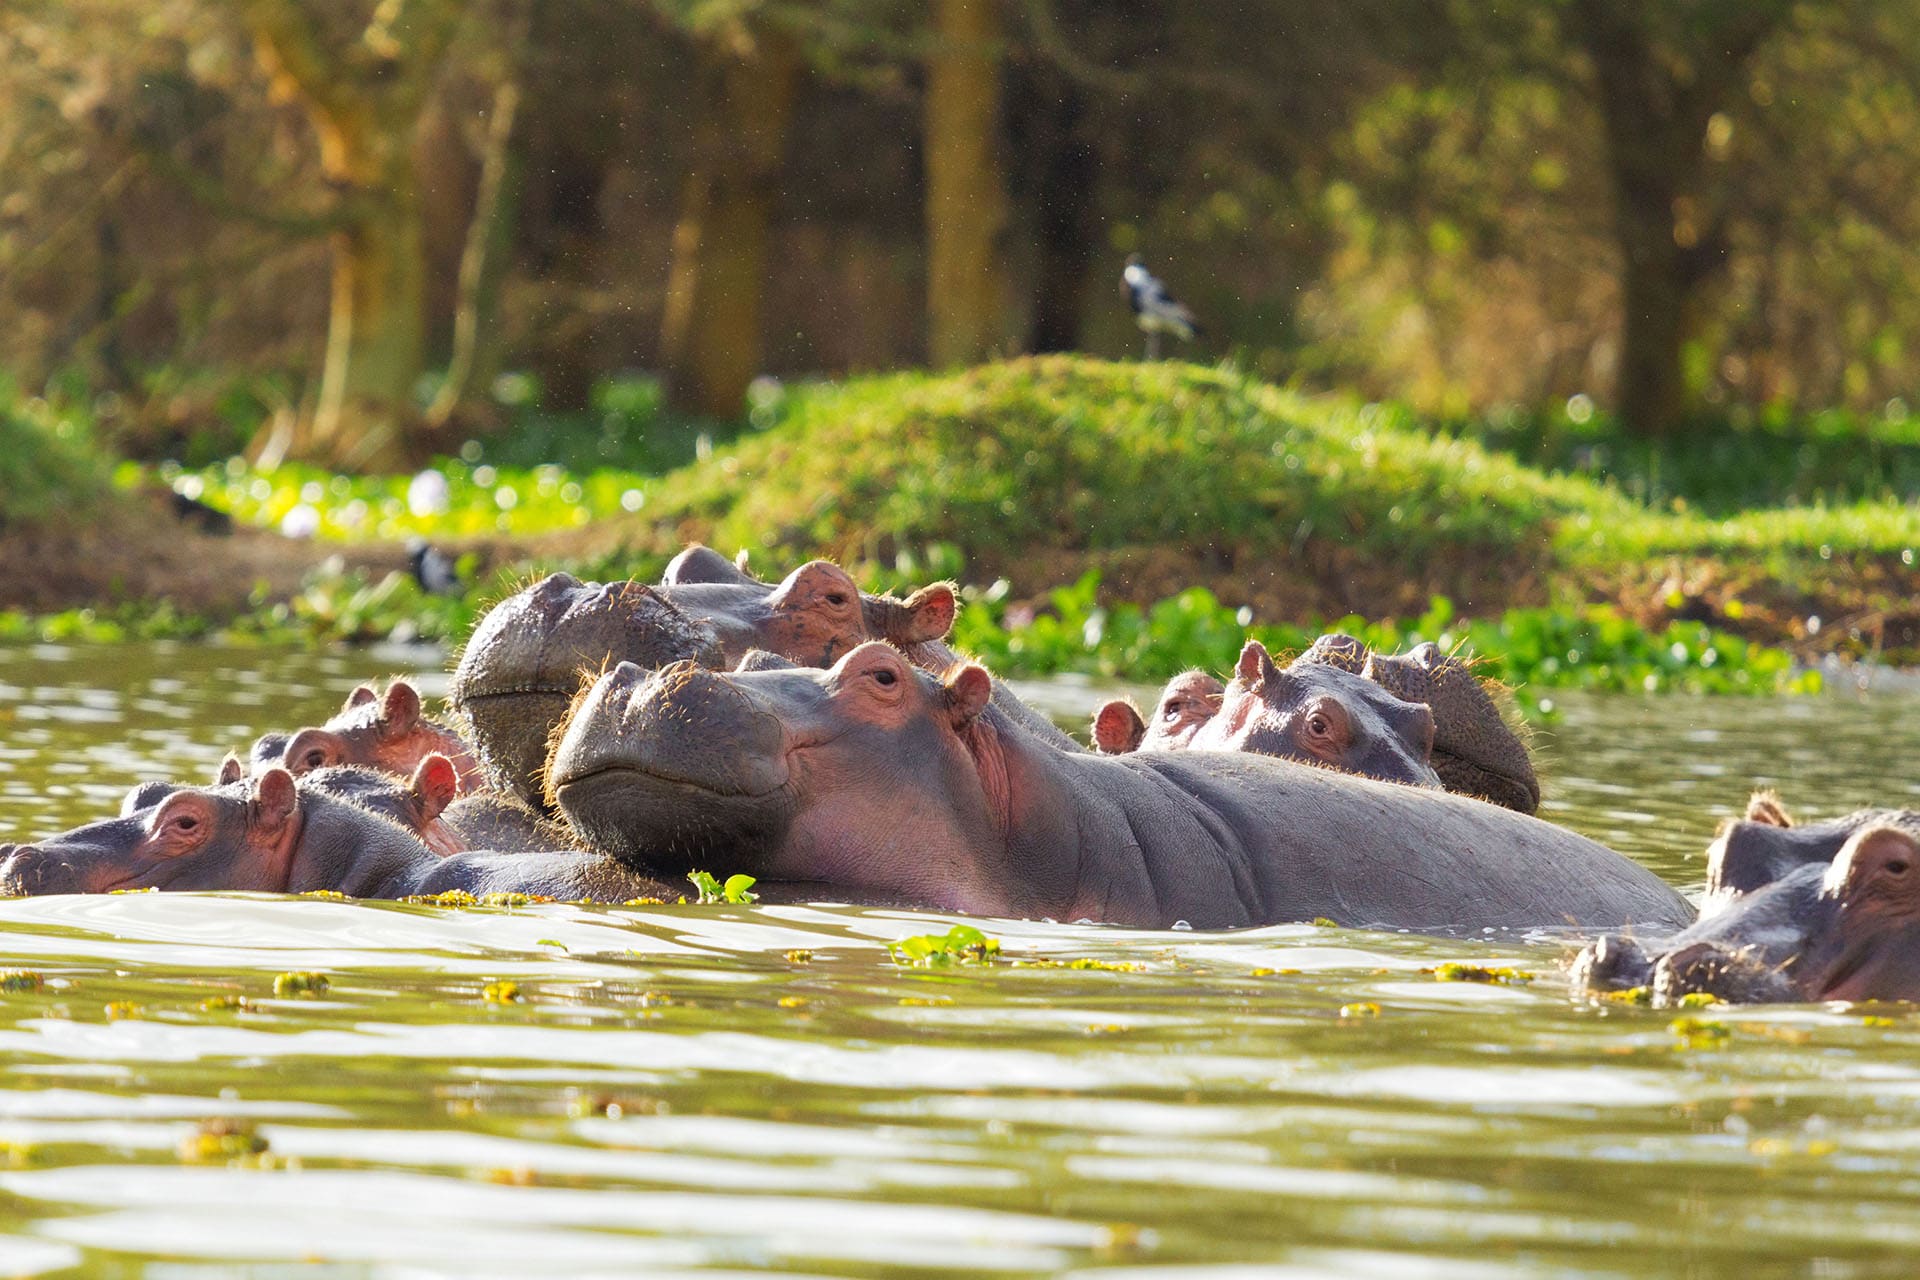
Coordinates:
(49,468)
(1077,455)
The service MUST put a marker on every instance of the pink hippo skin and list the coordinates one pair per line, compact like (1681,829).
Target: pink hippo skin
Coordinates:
(1187,701)
(385,731)
(875,781)
(273,833)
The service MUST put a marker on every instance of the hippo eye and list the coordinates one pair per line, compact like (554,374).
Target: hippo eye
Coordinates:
(185,822)
(315,759)
(836,598)
(884,678)
(1897,867)
(1318,726)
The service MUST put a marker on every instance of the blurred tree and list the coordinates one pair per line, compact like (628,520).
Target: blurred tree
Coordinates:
(968,285)
(746,76)
(1661,71)
(363,80)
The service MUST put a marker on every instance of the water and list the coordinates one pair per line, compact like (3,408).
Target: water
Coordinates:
(676,1093)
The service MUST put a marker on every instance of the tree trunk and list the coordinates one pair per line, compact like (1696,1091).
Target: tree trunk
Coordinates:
(710,339)
(1655,122)
(481,264)
(968,285)
(1066,231)
(376,335)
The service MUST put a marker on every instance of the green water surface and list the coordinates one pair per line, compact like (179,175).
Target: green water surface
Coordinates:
(714,1090)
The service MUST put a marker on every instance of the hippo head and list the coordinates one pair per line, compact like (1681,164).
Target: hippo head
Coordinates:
(1474,751)
(382,731)
(1876,882)
(860,776)
(415,802)
(528,656)
(240,836)
(1321,714)
(1187,702)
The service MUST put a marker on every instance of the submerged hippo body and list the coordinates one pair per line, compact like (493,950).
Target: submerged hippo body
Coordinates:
(876,781)
(1848,930)
(274,834)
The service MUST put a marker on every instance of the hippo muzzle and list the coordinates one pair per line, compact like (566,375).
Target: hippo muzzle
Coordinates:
(665,768)
(28,871)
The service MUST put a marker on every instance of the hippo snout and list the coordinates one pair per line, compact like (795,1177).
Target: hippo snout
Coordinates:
(27,871)
(682,723)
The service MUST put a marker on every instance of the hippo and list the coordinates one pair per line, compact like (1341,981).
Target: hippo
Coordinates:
(387,731)
(525,660)
(1766,844)
(876,781)
(277,834)
(1187,701)
(430,805)
(1474,751)
(1320,714)
(1848,930)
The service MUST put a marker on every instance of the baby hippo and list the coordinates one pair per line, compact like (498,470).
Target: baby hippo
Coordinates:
(275,834)
(1320,714)
(388,731)
(1845,931)
(1189,700)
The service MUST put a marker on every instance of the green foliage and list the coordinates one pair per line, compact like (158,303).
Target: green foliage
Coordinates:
(1591,646)
(1086,455)
(49,467)
(711,890)
(960,945)
(301,982)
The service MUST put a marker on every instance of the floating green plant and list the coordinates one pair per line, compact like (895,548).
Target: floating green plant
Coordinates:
(962,944)
(712,890)
(300,983)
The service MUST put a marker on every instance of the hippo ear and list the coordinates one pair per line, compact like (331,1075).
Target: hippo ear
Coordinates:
(1256,665)
(968,691)
(928,614)
(1118,728)
(1764,807)
(275,800)
(435,784)
(232,769)
(1419,720)
(362,694)
(401,710)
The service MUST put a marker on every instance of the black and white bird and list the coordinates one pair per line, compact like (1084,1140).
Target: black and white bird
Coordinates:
(432,568)
(1154,309)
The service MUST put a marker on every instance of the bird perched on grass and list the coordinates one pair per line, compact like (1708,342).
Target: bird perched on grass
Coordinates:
(432,568)
(1154,309)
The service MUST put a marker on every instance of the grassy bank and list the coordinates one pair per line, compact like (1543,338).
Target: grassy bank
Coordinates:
(1186,503)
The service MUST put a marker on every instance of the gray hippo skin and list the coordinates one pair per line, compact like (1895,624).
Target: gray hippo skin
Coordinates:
(1767,844)
(1849,930)
(430,805)
(527,656)
(1474,751)
(876,781)
(1320,714)
(276,834)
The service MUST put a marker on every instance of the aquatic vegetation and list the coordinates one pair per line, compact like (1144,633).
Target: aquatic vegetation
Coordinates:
(1360,1009)
(961,945)
(16,982)
(793,1002)
(1631,995)
(502,992)
(735,889)
(1083,962)
(222,1141)
(1700,1033)
(510,899)
(799,956)
(451,898)
(1455,971)
(226,1004)
(300,983)
(1698,1000)
(118,1009)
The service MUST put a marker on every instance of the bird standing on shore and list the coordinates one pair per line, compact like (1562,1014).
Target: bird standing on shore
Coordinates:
(1154,309)
(432,568)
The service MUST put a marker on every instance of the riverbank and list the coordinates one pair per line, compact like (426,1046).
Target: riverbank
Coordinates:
(1084,502)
